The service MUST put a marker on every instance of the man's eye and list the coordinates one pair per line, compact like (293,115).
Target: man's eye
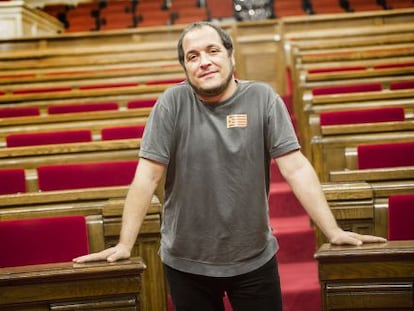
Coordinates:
(191,57)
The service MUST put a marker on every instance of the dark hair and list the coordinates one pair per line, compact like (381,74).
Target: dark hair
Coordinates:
(224,36)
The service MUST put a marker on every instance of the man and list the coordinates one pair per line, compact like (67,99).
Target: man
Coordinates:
(214,137)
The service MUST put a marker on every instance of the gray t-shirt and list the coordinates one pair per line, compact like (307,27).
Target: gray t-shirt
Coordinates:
(215,217)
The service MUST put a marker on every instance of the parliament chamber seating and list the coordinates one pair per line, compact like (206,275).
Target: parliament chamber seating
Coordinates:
(401,217)
(13,180)
(85,175)
(47,138)
(39,240)
(36,261)
(122,132)
(298,268)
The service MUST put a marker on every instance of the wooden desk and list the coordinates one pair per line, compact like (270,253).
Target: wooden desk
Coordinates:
(373,276)
(69,286)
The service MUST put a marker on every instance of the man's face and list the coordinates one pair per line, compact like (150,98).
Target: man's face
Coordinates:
(208,66)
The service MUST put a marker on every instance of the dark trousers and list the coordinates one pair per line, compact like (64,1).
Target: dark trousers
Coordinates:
(258,290)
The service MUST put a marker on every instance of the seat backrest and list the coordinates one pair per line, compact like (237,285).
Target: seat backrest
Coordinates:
(141,103)
(385,155)
(401,217)
(12,181)
(43,90)
(386,114)
(344,89)
(47,138)
(19,112)
(86,175)
(122,132)
(74,108)
(42,240)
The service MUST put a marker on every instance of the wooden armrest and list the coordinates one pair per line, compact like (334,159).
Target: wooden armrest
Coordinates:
(92,285)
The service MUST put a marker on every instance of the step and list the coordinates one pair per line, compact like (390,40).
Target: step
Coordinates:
(282,201)
(300,286)
(296,238)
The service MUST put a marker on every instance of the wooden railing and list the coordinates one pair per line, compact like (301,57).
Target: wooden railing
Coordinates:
(369,277)
(104,206)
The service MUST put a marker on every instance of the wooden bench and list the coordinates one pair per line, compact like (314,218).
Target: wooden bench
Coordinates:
(328,152)
(314,105)
(96,79)
(65,286)
(95,126)
(116,94)
(103,206)
(371,276)
(362,206)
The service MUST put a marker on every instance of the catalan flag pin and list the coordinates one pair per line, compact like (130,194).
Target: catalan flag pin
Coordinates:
(236,120)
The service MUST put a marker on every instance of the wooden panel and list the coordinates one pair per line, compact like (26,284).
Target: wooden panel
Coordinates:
(68,286)
(378,276)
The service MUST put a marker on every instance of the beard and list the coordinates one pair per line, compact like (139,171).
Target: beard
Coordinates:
(212,92)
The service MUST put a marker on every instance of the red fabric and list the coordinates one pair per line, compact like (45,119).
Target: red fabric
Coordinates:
(344,89)
(385,155)
(402,85)
(362,116)
(82,108)
(165,81)
(123,132)
(141,103)
(42,240)
(336,69)
(401,217)
(19,112)
(394,65)
(107,85)
(12,181)
(48,138)
(43,90)
(23,75)
(86,175)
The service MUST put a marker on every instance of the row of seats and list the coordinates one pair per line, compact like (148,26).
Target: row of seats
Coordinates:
(72,136)
(345,106)
(70,176)
(107,15)
(53,89)
(17,111)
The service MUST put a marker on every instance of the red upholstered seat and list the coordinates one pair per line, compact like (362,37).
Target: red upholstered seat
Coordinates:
(47,138)
(343,89)
(86,175)
(336,69)
(12,181)
(402,85)
(107,85)
(19,112)
(42,240)
(394,65)
(122,132)
(401,217)
(164,81)
(141,103)
(43,90)
(385,155)
(386,114)
(74,108)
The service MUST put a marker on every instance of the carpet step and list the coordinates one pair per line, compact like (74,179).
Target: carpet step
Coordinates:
(300,286)
(296,238)
(282,201)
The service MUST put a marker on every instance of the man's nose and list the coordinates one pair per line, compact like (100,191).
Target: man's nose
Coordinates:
(204,59)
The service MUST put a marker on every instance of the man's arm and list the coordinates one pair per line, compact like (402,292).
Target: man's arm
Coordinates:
(305,184)
(137,203)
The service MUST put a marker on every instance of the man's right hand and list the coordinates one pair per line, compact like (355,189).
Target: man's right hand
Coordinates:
(111,254)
